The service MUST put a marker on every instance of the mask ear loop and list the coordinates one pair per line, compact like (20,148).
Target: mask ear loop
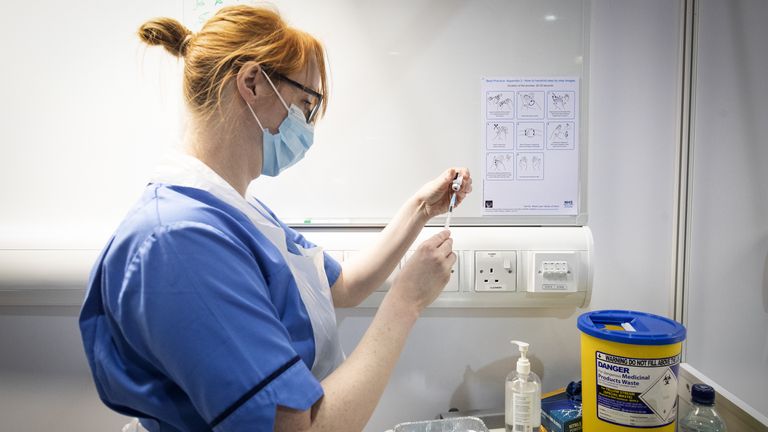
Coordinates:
(275,89)
(254,116)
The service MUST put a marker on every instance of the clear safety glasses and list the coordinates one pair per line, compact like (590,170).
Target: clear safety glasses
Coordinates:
(312,113)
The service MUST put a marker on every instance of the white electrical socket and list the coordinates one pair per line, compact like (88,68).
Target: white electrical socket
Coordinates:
(495,271)
(553,272)
(453,282)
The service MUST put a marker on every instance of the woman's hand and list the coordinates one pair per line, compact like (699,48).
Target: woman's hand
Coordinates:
(426,272)
(435,196)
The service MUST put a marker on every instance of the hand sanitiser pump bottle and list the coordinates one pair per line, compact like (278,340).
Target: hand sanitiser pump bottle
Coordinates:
(522,407)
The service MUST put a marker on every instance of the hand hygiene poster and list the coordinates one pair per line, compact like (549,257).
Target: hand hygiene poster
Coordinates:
(530,146)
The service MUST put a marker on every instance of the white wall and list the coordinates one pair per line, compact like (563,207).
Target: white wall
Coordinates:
(458,358)
(76,88)
(633,113)
(727,299)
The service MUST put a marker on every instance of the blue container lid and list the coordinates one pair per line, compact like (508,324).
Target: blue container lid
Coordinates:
(630,327)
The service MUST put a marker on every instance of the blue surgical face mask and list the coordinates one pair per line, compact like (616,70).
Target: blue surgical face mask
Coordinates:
(288,146)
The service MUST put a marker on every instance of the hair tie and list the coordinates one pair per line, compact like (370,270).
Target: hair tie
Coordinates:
(184,43)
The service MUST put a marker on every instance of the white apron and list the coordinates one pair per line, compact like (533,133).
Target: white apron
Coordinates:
(307,269)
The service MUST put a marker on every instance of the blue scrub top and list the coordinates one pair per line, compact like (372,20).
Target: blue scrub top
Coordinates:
(193,321)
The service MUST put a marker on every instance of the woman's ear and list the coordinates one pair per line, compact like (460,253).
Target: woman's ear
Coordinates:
(249,80)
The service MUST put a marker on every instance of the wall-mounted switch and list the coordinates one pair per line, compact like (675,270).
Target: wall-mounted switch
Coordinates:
(553,272)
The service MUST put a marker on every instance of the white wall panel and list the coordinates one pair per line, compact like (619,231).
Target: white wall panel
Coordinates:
(727,292)
(632,151)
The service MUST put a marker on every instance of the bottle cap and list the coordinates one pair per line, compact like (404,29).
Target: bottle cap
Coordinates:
(574,391)
(523,364)
(456,184)
(703,394)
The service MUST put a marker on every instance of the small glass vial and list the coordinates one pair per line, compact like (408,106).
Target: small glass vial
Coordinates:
(703,417)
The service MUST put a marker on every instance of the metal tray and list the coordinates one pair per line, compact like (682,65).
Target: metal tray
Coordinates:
(458,424)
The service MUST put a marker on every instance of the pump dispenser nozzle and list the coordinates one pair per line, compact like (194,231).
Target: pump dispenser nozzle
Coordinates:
(523,364)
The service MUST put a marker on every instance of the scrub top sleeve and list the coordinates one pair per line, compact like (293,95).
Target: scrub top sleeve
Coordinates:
(332,268)
(202,313)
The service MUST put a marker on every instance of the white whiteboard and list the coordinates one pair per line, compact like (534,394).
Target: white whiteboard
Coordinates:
(88,110)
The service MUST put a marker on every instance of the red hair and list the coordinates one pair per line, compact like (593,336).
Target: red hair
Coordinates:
(229,39)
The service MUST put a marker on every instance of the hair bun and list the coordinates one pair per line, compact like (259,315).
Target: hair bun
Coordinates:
(168,32)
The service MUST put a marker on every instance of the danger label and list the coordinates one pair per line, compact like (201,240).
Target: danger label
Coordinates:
(636,392)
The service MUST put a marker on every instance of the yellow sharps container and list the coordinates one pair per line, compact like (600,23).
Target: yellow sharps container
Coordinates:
(629,366)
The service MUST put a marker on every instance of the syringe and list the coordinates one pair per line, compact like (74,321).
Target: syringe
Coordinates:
(455,186)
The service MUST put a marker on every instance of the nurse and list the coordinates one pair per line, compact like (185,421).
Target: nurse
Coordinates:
(205,311)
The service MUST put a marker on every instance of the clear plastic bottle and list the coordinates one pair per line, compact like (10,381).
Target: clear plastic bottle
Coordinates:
(703,417)
(522,411)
